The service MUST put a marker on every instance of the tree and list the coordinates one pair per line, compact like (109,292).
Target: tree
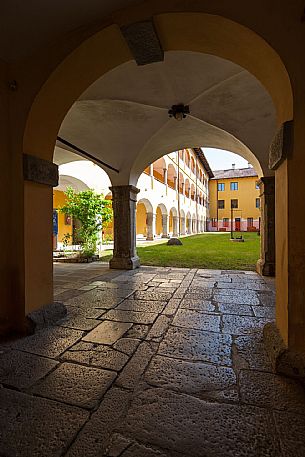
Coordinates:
(93,212)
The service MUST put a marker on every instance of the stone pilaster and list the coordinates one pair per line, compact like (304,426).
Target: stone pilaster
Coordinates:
(183,227)
(151,226)
(164,226)
(175,226)
(266,264)
(124,200)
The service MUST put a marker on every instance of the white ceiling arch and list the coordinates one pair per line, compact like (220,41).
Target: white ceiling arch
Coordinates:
(122,118)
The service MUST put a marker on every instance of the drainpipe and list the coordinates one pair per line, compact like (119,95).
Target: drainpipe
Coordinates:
(196,194)
(179,217)
(217,204)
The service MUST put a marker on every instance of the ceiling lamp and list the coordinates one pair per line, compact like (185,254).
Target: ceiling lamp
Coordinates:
(179,112)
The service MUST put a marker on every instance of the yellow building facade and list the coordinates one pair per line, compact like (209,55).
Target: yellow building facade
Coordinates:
(234,196)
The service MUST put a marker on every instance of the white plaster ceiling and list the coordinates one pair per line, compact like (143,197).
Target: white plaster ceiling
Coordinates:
(70,181)
(122,119)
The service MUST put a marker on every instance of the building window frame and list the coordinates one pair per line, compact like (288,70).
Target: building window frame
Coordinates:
(221,204)
(257,203)
(234,203)
(234,185)
(221,186)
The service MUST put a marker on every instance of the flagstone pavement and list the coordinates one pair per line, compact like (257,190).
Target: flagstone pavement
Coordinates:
(154,362)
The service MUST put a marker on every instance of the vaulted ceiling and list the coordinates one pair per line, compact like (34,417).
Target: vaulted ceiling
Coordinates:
(122,118)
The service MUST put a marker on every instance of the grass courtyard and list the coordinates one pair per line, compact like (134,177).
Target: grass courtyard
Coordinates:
(214,251)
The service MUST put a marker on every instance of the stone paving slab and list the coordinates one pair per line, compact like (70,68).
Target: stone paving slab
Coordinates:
(99,298)
(93,439)
(76,385)
(50,342)
(269,390)
(252,350)
(36,427)
(239,297)
(163,418)
(149,306)
(204,306)
(264,311)
(127,345)
(119,315)
(196,345)
(189,318)
(134,369)
(240,325)
(173,391)
(107,332)
(291,432)
(239,310)
(138,331)
(96,355)
(152,294)
(192,378)
(21,369)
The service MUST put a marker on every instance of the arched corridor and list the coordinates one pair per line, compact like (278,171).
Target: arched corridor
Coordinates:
(123,83)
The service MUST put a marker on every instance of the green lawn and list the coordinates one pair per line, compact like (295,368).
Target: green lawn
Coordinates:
(214,251)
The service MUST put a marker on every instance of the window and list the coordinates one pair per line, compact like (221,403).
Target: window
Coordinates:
(234,185)
(68,219)
(225,222)
(256,185)
(214,222)
(221,204)
(234,203)
(257,203)
(221,186)
(250,222)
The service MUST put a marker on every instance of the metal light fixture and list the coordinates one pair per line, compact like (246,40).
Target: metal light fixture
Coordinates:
(179,112)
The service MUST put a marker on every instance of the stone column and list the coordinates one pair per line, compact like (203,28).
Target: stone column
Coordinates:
(151,174)
(151,226)
(165,176)
(124,200)
(175,183)
(164,226)
(266,264)
(175,226)
(183,228)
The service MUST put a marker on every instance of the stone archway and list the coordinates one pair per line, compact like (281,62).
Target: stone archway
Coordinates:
(230,41)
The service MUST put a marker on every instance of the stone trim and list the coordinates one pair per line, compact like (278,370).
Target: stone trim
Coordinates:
(281,145)
(143,42)
(40,171)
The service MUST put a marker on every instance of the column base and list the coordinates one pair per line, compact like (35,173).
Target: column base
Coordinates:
(284,360)
(123,263)
(164,236)
(265,268)
(149,238)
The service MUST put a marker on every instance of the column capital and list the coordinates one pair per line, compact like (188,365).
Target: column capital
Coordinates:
(128,191)
(266,185)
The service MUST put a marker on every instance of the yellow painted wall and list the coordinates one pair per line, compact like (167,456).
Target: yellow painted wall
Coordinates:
(59,200)
(158,222)
(246,196)
(141,219)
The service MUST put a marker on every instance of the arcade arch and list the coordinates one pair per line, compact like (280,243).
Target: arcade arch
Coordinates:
(225,40)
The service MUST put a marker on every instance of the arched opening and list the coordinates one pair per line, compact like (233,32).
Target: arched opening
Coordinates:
(230,47)
(159,169)
(171,176)
(141,220)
